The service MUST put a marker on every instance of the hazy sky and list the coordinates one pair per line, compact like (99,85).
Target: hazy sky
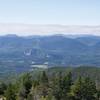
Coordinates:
(59,12)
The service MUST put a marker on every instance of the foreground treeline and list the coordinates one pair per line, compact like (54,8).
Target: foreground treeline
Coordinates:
(59,86)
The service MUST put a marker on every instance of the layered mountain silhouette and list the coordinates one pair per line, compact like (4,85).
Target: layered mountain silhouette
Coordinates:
(55,50)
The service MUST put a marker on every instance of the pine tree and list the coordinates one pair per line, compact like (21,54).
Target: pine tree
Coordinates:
(66,85)
(44,84)
(26,84)
(10,93)
(61,86)
(84,89)
(30,97)
(3,87)
(44,78)
(89,89)
(77,88)
(98,94)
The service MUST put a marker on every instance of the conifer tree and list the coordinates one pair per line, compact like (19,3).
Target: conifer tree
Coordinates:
(61,86)
(10,93)
(84,89)
(26,84)
(44,84)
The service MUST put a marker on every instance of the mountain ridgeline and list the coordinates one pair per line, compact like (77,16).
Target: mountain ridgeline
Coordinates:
(55,50)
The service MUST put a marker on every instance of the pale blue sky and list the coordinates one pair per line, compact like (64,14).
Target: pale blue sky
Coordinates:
(65,12)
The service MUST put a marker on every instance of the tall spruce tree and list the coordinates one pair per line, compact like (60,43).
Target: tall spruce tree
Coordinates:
(44,84)
(84,89)
(26,84)
(61,86)
(10,93)
(77,89)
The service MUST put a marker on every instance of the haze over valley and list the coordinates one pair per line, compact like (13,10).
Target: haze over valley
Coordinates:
(18,53)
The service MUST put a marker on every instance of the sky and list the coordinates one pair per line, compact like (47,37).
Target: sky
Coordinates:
(25,13)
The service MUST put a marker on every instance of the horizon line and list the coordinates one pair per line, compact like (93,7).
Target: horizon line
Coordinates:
(47,29)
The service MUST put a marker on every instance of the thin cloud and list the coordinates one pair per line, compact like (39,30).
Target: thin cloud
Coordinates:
(29,29)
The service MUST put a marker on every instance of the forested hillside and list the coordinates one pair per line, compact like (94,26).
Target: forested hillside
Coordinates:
(20,54)
(57,83)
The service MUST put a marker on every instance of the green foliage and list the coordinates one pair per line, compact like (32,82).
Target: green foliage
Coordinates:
(10,92)
(56,85)
(98,94)
(84,89)
(26,84)
(3,87)
(61,86)
(44,84)
(44,78)
(30,97)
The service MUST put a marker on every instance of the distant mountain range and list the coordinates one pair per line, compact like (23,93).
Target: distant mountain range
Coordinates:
(55,50)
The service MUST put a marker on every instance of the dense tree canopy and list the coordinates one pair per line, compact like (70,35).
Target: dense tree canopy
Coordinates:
(54,86)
